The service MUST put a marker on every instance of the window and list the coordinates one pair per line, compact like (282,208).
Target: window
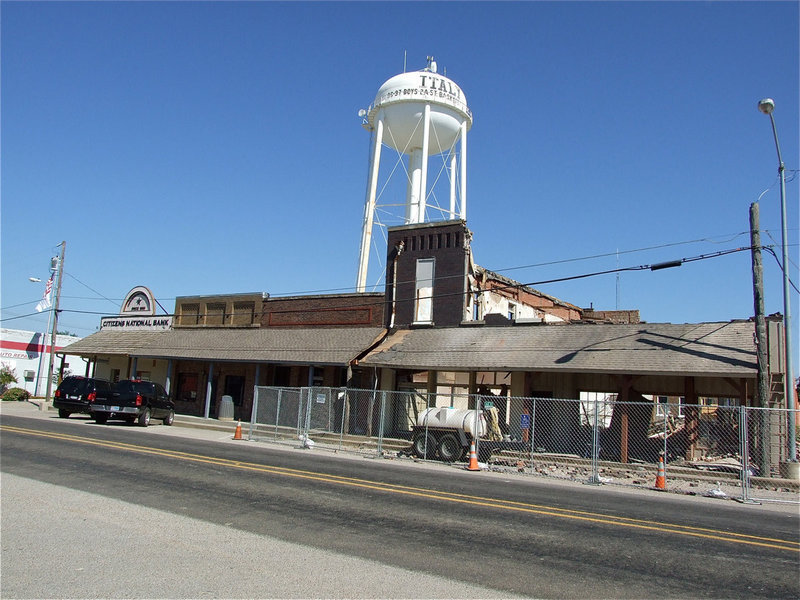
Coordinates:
(476,306)
(243,313)
(187,387)
(599,406)
(215,313)
(189,314)
(512,311)
(423,301)
(662,406)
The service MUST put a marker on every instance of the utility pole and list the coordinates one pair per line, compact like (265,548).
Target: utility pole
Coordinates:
(761,335)
(59,272)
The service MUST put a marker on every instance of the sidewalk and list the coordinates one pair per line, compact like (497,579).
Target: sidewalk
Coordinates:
(723,486)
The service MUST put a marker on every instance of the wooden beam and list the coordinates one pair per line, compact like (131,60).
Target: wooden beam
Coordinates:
(691,419)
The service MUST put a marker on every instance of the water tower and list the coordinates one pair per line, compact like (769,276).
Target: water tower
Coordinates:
(423,117)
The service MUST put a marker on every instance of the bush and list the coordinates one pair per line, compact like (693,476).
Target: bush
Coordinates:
(7,377)
(16,395)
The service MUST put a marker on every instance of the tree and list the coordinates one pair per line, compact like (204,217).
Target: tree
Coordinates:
(8,375)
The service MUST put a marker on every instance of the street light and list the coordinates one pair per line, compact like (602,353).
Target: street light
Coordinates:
(766,106)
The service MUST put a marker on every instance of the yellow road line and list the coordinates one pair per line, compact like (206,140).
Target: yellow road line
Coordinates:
(493,503)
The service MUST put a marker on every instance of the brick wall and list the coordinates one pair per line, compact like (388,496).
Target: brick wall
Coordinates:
(350,310)
(447,243)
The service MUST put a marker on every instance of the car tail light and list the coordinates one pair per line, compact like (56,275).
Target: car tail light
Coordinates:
(92,396)
(58,393)
(138,399)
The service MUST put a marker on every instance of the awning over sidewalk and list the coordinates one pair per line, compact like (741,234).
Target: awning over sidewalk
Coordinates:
(703,349)
(319,346)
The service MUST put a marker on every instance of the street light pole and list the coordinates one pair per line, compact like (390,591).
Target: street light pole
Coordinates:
(766,106)
(60,271)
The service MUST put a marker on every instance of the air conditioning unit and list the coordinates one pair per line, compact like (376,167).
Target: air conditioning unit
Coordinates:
(29,375)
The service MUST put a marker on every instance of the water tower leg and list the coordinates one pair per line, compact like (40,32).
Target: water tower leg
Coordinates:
(453,184)
(369,207)
(423,187)
(464,170)
(413,191)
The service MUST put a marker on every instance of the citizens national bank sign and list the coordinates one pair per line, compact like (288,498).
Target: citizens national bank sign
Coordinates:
(138,314)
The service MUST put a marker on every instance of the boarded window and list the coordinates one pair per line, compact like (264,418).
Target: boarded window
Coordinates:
(215,313)
(423,305)
(189,314)
(243,313)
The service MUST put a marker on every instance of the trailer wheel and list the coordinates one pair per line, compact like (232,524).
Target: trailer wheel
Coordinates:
(450,449)
(425,445)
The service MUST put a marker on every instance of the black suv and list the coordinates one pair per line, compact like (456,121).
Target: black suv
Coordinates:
(76,394)
(134,400)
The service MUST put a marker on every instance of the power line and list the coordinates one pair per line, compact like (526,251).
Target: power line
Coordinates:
(651,267)
(90,288)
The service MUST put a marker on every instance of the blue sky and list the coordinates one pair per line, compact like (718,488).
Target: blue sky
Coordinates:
(202,148)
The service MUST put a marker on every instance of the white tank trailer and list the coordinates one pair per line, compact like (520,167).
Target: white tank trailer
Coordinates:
(419,114)
(446,434)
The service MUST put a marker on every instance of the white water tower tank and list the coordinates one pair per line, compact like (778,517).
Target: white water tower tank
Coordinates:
(419,114)
(403,100)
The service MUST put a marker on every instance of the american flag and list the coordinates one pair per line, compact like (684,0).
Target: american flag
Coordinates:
(48,292)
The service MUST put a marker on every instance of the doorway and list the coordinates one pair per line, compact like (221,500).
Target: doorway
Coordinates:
(234,387)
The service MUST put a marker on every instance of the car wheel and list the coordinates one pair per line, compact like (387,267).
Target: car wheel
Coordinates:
(144,418)
(100,418)
(63,413)
(450,449)
(425,445)
(170,418)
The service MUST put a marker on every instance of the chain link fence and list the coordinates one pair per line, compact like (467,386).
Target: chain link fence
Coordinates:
(597,439)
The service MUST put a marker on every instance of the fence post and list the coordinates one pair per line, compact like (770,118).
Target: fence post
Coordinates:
(343,392)
(253,413)
(427,424)
(532,430)
(278,413)
(380,424)
(744,450)
(594,478)
(476,433)
(309,404)
(666,421)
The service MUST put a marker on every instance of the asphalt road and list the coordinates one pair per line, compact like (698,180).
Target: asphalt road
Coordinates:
(165,512)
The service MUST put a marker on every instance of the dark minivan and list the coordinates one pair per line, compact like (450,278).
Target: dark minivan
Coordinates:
(75,394)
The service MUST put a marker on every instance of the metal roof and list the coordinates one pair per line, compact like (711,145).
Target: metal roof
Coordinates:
(318,345)
(702,349)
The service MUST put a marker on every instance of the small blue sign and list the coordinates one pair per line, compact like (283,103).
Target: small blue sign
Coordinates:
(525,421)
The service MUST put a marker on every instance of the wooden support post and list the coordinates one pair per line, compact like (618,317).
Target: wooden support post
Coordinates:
(624,397)
(473,389)
(692,418)
(623,441)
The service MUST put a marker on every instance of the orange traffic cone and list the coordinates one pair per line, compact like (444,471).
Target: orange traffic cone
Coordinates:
(473,458)
(237,435)
(661,477)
